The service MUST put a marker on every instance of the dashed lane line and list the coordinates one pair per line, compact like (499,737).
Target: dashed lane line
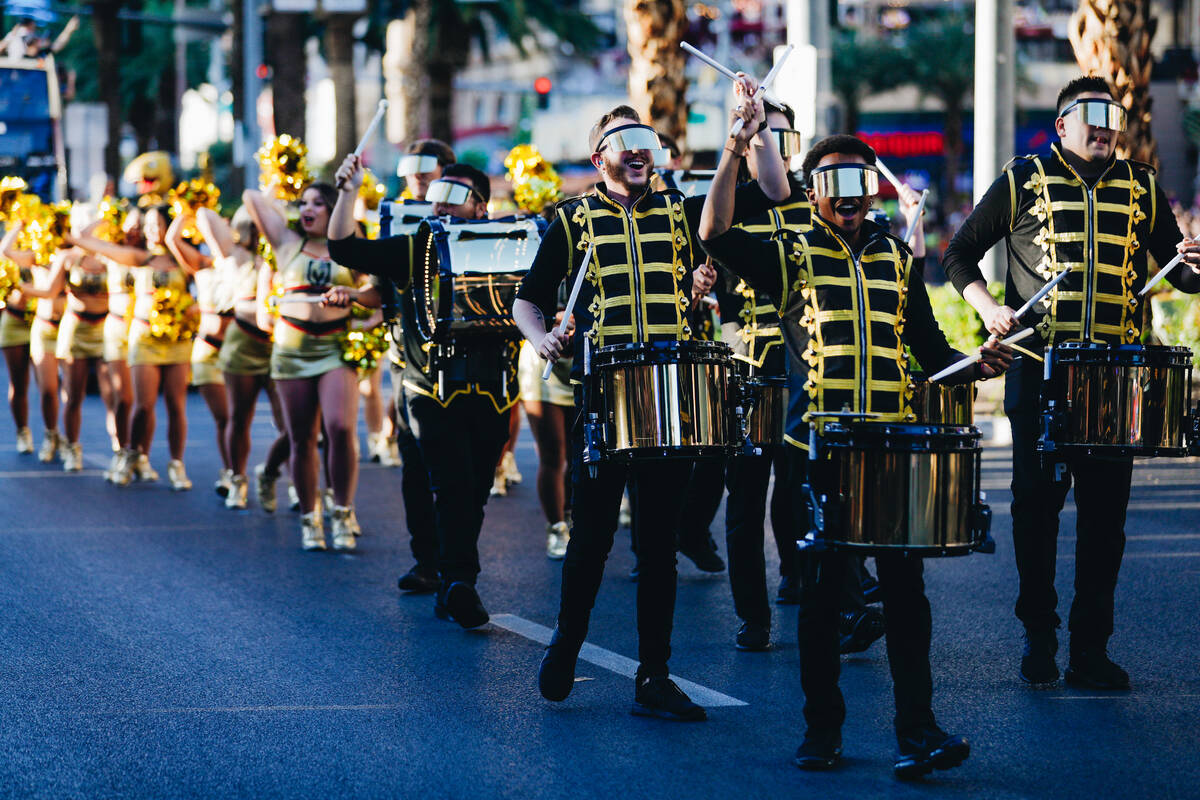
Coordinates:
(613,662)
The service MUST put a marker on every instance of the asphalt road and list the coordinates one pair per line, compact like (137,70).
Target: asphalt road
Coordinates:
(154,644)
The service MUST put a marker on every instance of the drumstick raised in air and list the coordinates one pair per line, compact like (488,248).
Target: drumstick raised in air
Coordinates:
(1042,292)
(969,360)
(1162,273)
(712,62)
(366,137)
(762,87)
(912,226)
(887,173)
(562,325)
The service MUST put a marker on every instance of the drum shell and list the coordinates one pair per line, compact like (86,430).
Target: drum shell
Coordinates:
(902,488)
(941,404)
(1120,400)
(667,399)
(765,402)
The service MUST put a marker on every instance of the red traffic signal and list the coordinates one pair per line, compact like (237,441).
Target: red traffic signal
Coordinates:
(543,85)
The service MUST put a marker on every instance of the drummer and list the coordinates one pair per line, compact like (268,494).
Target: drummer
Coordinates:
(1038,206)
(851,299)
(461,421)
(641,281)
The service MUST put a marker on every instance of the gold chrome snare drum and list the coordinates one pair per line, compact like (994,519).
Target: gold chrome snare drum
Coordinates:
(764,399)
(882,487)
(942,404)
(667,399)
(1118,400)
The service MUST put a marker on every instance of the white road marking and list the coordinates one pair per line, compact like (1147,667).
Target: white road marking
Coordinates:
(242,709)
(614,662)
(1128,556)
(1115,696)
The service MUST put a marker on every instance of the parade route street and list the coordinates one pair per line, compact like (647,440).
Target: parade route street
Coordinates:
(157,645)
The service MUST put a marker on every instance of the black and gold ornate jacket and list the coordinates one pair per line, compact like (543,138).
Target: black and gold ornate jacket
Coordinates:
(750,322)
(638,284)
(1054,220)
(847,317)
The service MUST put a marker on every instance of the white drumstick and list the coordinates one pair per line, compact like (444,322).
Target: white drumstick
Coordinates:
(301,298)
(969,360)
(912,226)
(1162,273)
(887,173)
(562,325)
(712,62)
(366,137)
(1042,292)
(375,120)
(762,87)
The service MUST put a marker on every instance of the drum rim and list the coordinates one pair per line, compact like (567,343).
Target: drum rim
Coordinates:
(646,354)
(1105,353)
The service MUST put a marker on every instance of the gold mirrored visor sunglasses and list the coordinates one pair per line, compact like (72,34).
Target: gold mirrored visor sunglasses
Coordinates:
(846,180)
(416,165)
(1099,113)
(629,138)
(787,140)
(448,192)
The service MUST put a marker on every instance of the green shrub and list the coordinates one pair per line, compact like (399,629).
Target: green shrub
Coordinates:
(962,326)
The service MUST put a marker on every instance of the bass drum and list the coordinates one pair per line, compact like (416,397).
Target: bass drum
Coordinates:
(1118,400)
(880,487)
(403,217)
(940,404)
(466,274)
(667,399)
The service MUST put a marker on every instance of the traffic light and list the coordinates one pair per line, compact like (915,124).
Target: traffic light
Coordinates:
(542,87)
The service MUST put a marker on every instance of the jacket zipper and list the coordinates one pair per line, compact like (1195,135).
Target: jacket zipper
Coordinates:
(864,403)
(636,278)
(1090,276)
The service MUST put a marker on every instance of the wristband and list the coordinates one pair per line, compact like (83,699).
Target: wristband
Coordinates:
(761,127)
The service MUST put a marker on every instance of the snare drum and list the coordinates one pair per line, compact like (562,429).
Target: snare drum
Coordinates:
(942,404)
(1117,400)
(466,274)
(764,399)
(667,399)
(898,487)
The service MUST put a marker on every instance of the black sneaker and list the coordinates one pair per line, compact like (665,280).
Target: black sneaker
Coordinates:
(819,752)
(705,557)
(556,675)
(418,580)
(789,592)
(660,697)
(859,630)
(928,748)
(754,638)
(464,606)
(1038,667)
(1093,669)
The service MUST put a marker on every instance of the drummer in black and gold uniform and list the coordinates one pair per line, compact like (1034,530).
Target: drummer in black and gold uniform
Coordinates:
(851,300)
(1085,210)
(750,324)
(639,288)
(460,420)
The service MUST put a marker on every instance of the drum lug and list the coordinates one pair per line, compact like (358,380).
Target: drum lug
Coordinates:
(1193,431)
(982,522)
(593,443)
(1053,423)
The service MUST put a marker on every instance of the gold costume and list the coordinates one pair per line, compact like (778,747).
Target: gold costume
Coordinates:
(246,350)
(14,328)
(304,348)
(81,335)
(144,348)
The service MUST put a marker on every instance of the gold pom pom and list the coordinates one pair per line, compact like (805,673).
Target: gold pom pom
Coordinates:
(11,187)
(173,317)
(189,197)
(372,191)
(535,183)
(363,349)
(283,161)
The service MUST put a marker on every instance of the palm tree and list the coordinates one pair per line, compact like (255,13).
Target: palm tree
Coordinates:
(285,37)
(862,68)
(657,84)
(405,80)
(339,54)
(1111,38)
(106,36)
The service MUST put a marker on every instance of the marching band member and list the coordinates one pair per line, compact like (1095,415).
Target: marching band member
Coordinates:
(1042,206)
(641,283)
(845,360)
(160,345)
(461,425)
(313,381)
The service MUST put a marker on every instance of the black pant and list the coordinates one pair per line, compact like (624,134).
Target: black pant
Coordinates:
(745,515)
(597,501)
(829,577)
(414,483)
(1039,492)
(460,445)
(702,500)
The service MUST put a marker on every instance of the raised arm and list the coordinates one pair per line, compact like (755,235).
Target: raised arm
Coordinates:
(120,253)
(216,232)
(58,279)
(185,254)
(262,314)
(349,177)
(8,247)
(270,220)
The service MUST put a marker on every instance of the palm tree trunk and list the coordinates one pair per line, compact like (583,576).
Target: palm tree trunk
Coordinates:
(236,75)
(339,52)
(404,71)
(285,54)
(953,148)
(656,73)
(106,34)
(450,54)
(1111,38)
